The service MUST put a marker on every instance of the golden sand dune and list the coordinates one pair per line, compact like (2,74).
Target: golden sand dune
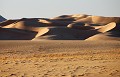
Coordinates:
(113,35)
(109,32)
(87,19)
(107,27)
(29,23)
(65,27)
(103,28)
(97,20)
(41,32)
(104,20)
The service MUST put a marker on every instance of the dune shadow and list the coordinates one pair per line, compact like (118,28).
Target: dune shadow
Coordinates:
(114,34)
(16,34)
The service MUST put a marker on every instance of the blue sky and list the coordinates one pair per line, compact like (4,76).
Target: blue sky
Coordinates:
(13,9)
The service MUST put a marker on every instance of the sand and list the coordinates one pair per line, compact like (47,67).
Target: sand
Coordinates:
(64,27)
(59,58)
(75,45)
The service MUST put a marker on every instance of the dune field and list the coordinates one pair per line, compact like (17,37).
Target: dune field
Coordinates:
(65,27)
(65,46)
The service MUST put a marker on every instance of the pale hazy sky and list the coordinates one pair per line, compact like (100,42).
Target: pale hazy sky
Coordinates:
(13,9)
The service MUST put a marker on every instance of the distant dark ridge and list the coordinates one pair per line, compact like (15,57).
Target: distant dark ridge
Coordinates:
(2,19)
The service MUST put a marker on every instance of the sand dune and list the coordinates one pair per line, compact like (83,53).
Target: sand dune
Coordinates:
(109,32)
(87,19)
(104,20)
(65,27)
(7,22)
(99,20)
(16,34)
(60,33)
(30,23)
(113,35)
(42,32)
(107,27)
(63,33)
(70,17)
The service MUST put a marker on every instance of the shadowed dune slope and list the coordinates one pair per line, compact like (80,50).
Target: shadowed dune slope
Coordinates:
(7,22)
(66,34)
(16,34)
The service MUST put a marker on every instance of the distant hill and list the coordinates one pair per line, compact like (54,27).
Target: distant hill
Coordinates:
(2,18)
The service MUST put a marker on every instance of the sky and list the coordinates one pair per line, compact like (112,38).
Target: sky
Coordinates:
(15,9)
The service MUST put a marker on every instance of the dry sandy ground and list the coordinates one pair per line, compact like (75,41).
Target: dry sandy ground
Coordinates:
(59,58)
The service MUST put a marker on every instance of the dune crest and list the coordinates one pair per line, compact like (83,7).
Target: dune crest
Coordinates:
(42,32)
(114,36)
(107,27)
(104,20)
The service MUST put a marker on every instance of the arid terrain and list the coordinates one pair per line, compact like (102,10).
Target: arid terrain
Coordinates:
(64,46)
(59,59)
(65,27)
